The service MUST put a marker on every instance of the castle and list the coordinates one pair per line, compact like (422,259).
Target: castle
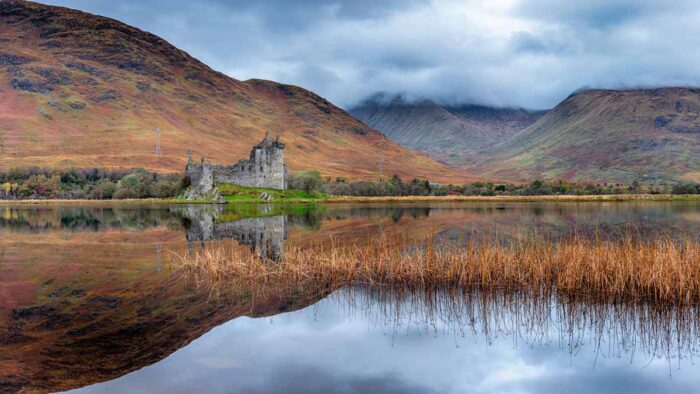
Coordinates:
(264,169)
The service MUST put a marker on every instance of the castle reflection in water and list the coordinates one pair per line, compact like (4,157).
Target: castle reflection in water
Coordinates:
(264,235)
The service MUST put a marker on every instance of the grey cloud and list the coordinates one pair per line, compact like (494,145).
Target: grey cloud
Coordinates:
(527,42)
(296,379)
(532,54)
(594,13)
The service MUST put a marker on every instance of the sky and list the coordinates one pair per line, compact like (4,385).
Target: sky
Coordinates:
(524,53)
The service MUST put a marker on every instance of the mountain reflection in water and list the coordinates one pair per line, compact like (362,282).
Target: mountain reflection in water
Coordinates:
(87,296)
(373,340)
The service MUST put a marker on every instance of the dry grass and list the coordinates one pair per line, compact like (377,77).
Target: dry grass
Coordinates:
(659,269)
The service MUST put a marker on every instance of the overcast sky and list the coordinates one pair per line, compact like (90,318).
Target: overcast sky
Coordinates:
(529,53)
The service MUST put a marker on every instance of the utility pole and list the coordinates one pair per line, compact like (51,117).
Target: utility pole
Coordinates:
(381,166)
(656,179)
(158,141)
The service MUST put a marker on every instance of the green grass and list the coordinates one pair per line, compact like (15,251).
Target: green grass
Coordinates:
(238,194)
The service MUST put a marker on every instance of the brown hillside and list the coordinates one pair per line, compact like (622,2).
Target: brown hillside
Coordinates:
(82,90)
(648,135)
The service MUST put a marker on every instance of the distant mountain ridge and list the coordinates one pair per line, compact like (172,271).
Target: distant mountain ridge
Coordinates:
(449,133)
(79,90)
(645,135)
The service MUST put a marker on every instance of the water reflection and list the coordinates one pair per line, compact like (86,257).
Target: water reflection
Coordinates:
(264,235)
(372,340)
(87,295)
(50,218)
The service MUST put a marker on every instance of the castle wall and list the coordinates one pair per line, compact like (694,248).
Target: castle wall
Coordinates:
(194,172)
(201,176)
(264,169)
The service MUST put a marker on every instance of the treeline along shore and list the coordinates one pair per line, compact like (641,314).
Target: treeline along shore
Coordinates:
(42,184)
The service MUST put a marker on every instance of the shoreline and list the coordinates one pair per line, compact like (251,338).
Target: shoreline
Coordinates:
(382,199)
(143,201)
(550,198)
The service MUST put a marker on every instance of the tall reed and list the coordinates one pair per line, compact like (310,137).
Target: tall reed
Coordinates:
(658,269)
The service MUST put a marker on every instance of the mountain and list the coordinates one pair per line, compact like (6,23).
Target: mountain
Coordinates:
(83,90)
(646,135)
(452,134)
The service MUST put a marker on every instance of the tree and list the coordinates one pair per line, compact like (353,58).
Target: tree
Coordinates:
(635,187)
(308,181)
(134,185)
(686,188)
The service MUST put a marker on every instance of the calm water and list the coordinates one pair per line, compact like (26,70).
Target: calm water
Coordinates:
(89,301)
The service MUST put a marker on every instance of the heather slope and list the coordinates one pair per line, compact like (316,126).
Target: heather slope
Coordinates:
(452,134)
(649,135)
(83,90)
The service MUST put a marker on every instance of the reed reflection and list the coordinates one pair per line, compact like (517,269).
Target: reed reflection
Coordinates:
(613,329)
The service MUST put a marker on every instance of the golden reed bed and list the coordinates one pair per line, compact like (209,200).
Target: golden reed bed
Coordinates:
(659,269)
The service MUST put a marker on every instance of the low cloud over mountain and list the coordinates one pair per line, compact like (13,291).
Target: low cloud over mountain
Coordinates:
(525,53)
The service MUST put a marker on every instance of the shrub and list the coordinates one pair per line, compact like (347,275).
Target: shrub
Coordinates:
(93,183)
(103,189)
(134,185)
(168,186)
(686,188)
(308,181)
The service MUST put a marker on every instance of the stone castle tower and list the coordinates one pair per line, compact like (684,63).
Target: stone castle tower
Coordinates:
(264,169)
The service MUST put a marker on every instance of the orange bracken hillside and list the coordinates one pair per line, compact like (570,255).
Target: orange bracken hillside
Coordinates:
(82,90)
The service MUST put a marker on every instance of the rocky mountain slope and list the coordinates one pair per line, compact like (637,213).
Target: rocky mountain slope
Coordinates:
(648,135)
(82,90)
(452,134)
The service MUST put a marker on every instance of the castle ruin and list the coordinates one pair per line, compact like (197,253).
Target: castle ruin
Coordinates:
(264,169)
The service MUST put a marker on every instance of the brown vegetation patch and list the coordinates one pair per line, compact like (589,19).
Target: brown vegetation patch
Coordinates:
(659,269)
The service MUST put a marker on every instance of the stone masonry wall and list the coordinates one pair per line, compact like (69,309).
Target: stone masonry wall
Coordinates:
(264,169)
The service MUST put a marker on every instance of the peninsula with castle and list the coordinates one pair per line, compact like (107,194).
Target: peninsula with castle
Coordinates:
(264,169)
